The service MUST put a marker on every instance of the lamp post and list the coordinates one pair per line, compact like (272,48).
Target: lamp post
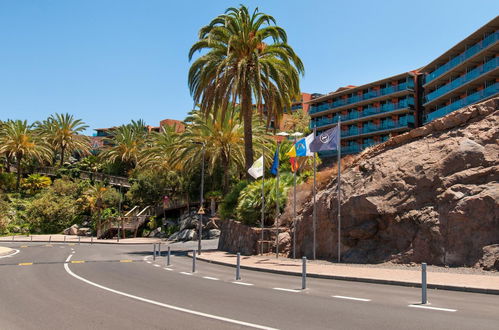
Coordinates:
(201,200)
(281,136)
(295,135)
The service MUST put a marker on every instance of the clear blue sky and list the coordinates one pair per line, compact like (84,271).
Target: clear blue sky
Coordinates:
(110,61)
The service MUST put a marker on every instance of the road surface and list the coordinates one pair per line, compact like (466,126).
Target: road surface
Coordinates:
(68,286)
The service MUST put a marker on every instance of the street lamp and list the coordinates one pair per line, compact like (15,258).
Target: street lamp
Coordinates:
(294,135)
(281,135)
(201,199)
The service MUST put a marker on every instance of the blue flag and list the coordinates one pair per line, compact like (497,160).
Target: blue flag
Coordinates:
(275,163)
(328,140)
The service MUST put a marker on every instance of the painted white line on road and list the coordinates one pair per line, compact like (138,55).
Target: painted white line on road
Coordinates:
(149,262)
(242,283)
(156,265)
(210,278)
(16,251)
(434,308)
(166,268)
(185,273)
(157,303)
(351,298)
(287,290)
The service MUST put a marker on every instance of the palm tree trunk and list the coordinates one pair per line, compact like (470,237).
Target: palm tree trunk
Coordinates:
(7,160)
(248,132)
(18,181)
(62,156)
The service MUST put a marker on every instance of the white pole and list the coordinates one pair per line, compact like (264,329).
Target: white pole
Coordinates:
(277,205)
(339,190)
(314,214)
(294,208)
(263,198)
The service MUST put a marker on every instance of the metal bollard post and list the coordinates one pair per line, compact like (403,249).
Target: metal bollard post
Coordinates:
(79,238)
(304,273)
(13,237)
(154,251)
(159,249)
(193,261)
(91,240)
(64,238)
(31,238)
(168,257)
(50,239)
(424,299)
(238,267)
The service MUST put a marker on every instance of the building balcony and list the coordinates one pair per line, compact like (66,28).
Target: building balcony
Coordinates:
(368,113)
(470,52)
(359,98)
(470,99)
(403,123)
(473,74)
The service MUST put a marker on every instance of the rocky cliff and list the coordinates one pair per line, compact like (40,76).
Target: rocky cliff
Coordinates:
(429,195)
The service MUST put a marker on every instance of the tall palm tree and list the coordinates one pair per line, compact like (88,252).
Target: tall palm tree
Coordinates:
(20,140)
(63,131)
(126,143)
(246,60)
(160,150)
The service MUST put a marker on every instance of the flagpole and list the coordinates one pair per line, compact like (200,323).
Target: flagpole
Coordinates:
(277,205)
(294,206)
(263,198)
(339,190)
(314,214)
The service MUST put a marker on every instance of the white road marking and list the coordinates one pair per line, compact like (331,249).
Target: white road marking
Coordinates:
(241,283)
(287,290)
(16,251)
(157,303)
(185,273)
(210,278)
(351,298)
(156,265)
(166,268)
(434,308)
(149,262)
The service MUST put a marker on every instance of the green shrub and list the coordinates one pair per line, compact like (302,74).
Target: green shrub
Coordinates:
(7,181)
(35,182)
(229,203)
(249,204)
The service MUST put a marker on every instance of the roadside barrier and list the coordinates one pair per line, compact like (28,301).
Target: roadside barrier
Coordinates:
(79,238)
(159,249)
(238,267)
(424,299)
(193,261)
(168,257)
(154,251)
(304,273)
(64,238)
(50,239)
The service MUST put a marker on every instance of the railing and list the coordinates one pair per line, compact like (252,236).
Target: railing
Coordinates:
(473,98)
(476,48)
(101,177)
(370,111)
(403,122)
(489,66)
(357,98)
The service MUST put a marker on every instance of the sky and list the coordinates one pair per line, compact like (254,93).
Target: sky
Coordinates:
(111,61)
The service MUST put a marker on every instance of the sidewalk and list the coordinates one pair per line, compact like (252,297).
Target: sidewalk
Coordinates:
(4,251)
(410,277)
(75,239)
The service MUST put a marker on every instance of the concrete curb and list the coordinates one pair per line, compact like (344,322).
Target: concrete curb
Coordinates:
(76,242)
(356,279)
(7,252)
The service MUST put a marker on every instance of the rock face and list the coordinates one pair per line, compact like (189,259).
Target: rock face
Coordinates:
(429,195)
(236,237)
(188,228)
(490,259)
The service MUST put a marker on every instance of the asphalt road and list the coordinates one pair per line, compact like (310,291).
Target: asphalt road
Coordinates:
(94,290)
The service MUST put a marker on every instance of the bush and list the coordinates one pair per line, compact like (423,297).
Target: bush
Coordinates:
(35,182)
(7,181)
(5,210)
(229,203)
(249,205)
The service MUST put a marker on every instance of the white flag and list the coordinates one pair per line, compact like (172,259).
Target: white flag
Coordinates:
(256,170)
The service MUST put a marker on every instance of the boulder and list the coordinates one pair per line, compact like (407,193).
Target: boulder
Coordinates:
(429,195)
(187,235)
(213,233)
(84,232)
(73,230)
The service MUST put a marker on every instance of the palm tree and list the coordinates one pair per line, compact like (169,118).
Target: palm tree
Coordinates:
(221,136)
(246,60)
(160,150)
(95,199)
(126,143)
(63,131)
(21,141)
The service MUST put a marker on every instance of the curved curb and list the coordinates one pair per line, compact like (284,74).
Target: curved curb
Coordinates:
(7,252)
(356,279)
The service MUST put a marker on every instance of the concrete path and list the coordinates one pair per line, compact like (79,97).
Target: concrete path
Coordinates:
(58,238)
(412,277)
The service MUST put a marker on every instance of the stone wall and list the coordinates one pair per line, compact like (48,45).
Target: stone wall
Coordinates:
(236,237)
